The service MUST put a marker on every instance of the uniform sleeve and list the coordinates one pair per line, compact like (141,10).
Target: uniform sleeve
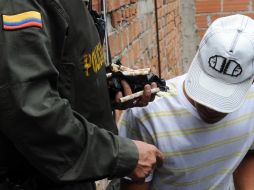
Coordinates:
(52,137)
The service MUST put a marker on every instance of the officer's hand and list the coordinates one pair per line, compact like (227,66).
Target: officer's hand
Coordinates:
(140,101)
(149,158)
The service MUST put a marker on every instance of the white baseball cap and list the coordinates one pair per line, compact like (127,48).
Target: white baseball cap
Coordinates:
(222,71)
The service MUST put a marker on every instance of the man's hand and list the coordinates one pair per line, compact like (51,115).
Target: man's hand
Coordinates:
(149,158)
(141,101)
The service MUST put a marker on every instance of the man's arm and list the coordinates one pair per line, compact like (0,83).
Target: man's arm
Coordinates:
(244,174)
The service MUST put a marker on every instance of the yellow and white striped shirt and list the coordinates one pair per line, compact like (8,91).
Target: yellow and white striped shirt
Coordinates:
(199,156)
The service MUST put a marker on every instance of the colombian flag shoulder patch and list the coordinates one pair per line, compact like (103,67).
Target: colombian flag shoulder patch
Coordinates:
(22,20)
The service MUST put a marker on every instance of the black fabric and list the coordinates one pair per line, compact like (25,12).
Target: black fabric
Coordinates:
(99,20)
(114,184)
(5,186)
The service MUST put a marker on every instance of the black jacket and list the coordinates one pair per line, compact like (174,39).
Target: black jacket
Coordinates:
(53,97)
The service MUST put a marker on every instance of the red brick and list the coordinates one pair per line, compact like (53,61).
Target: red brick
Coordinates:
(160,12)
(124,2)
(130,33)
(172,6)
(133,1)
(126,13)
(124,38)
(208,6)
(111,44)
(201,21)
(250,15)
(118,43)
(142,44)
(131,57)
(177,20)
(133,31)
(201,33)
(115,44)
(214,17)
(160,23)
(159,3)
(136,50)
(235,5)
(137,29)
(113,5)
(133,9)
(116,18)
(125,59)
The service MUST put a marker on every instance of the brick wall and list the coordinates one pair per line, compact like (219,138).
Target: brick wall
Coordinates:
(208,10)
(135,38)
(169,24)
(132,33)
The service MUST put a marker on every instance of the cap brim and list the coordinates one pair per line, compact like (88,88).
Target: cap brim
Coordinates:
(214,93)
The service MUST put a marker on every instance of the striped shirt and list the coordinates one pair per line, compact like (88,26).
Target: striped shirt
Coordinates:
(199,156)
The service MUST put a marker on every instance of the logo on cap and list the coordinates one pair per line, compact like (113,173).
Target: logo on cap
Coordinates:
(225,66)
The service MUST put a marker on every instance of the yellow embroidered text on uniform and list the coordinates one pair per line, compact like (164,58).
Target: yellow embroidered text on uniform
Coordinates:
(94,60)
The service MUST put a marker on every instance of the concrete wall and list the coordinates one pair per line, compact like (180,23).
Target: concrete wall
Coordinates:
(169,28)
(189,33)
(132,36)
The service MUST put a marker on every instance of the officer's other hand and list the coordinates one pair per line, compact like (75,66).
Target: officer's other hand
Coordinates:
(140,101)
(149,158)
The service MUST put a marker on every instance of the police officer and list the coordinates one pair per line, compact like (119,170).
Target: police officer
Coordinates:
(54,102)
